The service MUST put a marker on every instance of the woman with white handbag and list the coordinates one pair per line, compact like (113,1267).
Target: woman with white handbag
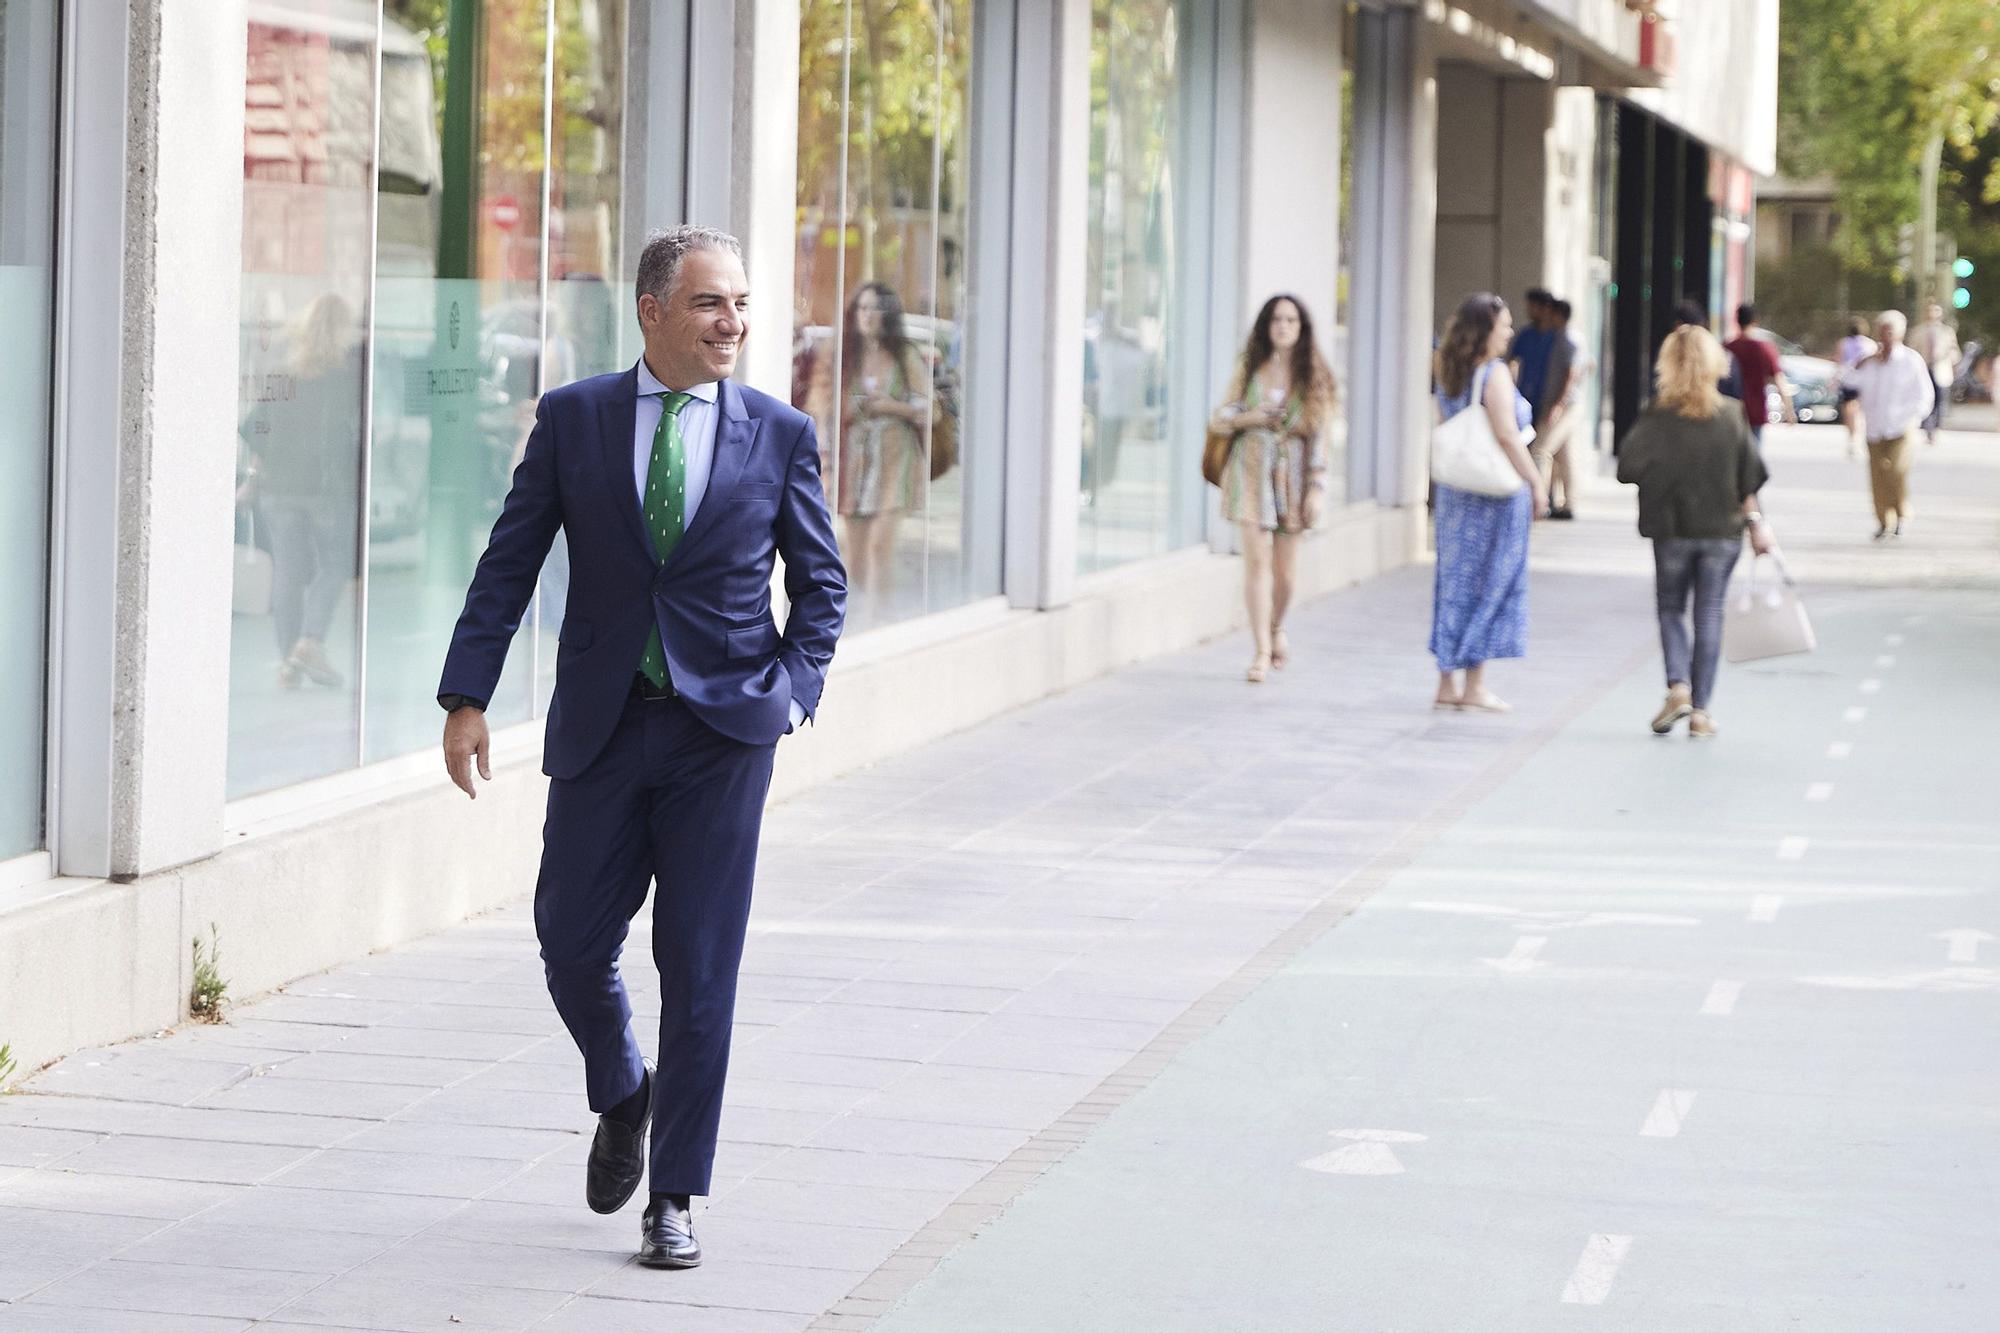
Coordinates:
(1489,493)
(1698,473)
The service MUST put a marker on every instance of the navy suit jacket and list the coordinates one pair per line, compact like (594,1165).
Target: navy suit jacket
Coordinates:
(711,598)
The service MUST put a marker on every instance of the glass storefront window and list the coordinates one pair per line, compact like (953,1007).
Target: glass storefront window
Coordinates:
(1133,417)
(881,311)
(308,170)
(27,206)
(407,298)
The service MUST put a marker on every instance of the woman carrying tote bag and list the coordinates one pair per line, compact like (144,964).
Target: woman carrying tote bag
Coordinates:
(1698,472)
(1480,610)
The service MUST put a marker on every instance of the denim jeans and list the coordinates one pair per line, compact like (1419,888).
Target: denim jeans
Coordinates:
(1698,565)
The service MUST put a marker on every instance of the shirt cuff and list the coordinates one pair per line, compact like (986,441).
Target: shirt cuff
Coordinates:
(798,717)
(451,703)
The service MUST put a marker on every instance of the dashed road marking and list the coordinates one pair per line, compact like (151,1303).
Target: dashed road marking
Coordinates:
(1840,749)
(1669,1111)
(1764,907)
(1854,714)
(1894,640)
(1964,943)
(1522,956)
(1871,686)
(1721,1000)
(1886,660)
(1820,791)
(1595,1270)
(1793,848)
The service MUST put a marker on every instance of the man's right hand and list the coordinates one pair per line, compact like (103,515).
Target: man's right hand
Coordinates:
(466,740)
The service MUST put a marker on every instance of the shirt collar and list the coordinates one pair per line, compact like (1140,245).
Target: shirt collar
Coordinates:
(650,383)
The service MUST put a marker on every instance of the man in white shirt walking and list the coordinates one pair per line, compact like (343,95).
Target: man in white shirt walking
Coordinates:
(1896,394)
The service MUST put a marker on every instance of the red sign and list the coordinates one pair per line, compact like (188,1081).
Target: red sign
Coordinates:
(504,211)
(1658,51)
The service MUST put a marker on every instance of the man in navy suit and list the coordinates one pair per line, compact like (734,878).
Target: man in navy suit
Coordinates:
(676,488)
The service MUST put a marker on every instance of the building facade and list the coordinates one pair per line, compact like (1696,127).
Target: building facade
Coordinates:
(285,295)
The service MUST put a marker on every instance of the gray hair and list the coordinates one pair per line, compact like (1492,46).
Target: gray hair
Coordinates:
(1893,319)
(660,261)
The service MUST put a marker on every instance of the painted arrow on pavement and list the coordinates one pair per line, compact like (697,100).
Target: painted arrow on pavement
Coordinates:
(1964,942)
(1369,1154)
(1522,958)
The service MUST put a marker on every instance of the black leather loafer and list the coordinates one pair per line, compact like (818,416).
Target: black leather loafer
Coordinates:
(666,1236)
(617,1158)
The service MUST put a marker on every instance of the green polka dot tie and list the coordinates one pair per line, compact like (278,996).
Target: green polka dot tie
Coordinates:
(666,511)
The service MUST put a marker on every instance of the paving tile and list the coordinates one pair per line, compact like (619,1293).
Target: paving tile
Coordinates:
(888,1170)
(567,1224)
(299,1248)
(597,1314)
(270,1127)
(363,1101)
(123,1284)
(922,1138)
(740,1285)
(74,1319)
(499,1141)
(32,1145)
(510,1108)
(339,1066)
(857,1205)
(185,1159)
(399,1173)
(122,1196)
(411,1305)
(333,1210)
(485,1264)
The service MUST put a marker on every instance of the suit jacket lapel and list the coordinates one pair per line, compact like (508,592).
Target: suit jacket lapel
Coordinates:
(734,432)
(616,415)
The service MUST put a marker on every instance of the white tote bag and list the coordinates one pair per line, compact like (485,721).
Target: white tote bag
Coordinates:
(1764,617)
(1465,454)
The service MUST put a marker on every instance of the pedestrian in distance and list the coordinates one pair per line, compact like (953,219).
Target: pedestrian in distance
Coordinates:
(677,488)
(1698,470)
(1479,611)
(1556,415)
(1280,402)
(1937,343)
(1896,393)
(1758,367)
(1691,312)
(1855,348)
(1529,350)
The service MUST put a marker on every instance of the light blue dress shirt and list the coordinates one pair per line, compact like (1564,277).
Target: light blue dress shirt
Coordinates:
(697,442)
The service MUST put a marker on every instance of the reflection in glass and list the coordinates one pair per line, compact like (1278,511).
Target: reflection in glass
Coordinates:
(27,188)
(881,302)
(1129,359)
(458,337)
(309,107)
(588,328)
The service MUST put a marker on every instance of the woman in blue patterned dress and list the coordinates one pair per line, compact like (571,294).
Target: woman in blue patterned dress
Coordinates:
(1274,483)
(1481,608)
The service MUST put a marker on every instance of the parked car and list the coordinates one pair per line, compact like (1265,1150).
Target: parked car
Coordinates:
(1815,383)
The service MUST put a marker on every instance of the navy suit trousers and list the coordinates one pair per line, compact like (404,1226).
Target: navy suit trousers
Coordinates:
(670,801)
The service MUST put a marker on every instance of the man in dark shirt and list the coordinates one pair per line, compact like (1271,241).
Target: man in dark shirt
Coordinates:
(1757,364)
(1528,352)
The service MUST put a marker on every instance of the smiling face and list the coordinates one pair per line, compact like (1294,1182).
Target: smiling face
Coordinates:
(695,335)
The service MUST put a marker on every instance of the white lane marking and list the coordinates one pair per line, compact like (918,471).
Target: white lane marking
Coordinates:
(1894,640)
(1886,660)
(1591,1282)
(1854,714)
(1793,848)
(1840,749)
(1721,1001)
(1547,920)
(1871,686)
(1669,1111)
(1764,907)
(1963,944)
(1820,791)
(1369,1154)
(1522,957)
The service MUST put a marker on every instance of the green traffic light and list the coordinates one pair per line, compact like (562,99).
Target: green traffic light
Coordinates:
(1961,267)
(1960,299)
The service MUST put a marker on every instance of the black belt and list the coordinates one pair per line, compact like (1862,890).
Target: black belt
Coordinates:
(646,689)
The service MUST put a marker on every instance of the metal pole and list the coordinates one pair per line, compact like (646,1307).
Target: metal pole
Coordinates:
(1926,265)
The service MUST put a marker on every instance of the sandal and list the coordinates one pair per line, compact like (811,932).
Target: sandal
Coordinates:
(1485,702)
(1281,650)
(1258,668)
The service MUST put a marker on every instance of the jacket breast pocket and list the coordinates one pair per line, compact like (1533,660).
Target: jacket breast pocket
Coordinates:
(753,641)
(758,492)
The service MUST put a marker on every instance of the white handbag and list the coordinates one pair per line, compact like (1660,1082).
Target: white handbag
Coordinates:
(1466,456)
(1765,618)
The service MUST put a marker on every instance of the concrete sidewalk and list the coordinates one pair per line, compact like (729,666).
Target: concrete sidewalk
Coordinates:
(962,961)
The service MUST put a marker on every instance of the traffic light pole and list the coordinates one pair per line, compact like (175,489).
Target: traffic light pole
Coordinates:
(1925,270)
